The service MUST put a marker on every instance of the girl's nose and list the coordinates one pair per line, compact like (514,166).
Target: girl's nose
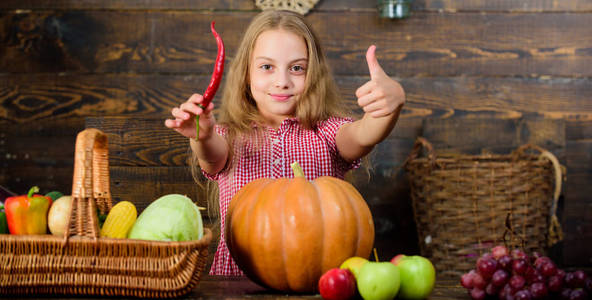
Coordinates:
(282,80)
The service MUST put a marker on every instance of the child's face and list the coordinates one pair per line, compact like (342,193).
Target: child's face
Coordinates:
(277,73)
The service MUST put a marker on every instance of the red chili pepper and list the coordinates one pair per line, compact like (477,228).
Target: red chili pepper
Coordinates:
(218,70)
(216,77)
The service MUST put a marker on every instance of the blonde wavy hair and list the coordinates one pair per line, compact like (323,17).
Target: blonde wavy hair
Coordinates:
(320,99)
(238,111)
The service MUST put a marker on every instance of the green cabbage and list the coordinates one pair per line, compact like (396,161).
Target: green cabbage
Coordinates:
(171,217)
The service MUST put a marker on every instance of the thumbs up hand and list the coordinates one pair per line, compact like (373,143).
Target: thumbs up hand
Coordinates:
(381,96)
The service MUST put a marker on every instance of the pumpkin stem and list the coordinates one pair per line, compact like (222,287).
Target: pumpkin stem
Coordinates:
(297,169)
(375,255)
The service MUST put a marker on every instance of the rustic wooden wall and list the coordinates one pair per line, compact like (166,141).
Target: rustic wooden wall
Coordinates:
(522,69)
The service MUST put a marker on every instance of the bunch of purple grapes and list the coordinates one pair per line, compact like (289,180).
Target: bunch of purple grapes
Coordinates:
(518,276)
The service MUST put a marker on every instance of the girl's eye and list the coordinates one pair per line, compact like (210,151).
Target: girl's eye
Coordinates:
(297,69)
(265,67)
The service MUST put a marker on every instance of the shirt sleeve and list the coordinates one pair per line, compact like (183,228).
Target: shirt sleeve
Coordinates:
(328,129)
(214,177)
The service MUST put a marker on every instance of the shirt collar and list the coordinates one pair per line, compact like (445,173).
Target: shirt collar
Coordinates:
(285,122)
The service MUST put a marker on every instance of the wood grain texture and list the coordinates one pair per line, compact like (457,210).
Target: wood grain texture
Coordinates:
(473,135)
(20,178)
(325,5)
(143,185)
(504,5)
(206,5)
(27,98)
(239,288)
(579,129)
(180,42)
(577,220)
(142,142)
(38,152)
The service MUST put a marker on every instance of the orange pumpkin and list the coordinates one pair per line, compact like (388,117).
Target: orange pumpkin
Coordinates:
(285,233)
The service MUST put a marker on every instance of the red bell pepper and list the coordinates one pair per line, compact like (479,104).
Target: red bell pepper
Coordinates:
(27,214)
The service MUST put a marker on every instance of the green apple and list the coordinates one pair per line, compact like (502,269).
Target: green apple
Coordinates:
(354,264)
(378,281)
(418,276)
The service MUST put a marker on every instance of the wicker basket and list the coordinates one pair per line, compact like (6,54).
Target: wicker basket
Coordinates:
(82,263)
(300,6)
(465,204)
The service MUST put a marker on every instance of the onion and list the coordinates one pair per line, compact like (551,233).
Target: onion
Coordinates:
(59,215)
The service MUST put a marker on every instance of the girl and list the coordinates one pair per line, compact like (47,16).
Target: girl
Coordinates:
(281,105)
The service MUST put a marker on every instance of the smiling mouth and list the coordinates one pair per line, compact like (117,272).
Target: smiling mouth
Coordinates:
(280,97)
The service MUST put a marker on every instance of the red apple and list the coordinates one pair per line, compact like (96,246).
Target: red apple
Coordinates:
(395,260)
(337,284)
(418,276)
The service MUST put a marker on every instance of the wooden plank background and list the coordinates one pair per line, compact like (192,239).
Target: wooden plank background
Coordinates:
(508,71)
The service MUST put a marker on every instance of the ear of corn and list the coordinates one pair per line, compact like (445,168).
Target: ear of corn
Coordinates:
(120,220)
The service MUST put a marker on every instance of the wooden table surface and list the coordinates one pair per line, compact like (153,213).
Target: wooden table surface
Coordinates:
(214,287)
(235,288)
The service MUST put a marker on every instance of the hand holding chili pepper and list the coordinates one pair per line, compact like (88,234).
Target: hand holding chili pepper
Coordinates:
(197,104)
(185,114)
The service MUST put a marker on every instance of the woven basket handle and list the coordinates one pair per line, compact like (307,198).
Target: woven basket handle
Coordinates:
(555,231)
(420,143)
(90,184)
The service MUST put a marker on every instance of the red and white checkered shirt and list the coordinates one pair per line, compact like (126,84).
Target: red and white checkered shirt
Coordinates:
(269,154)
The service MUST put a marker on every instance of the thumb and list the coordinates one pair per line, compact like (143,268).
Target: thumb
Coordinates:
(373,65)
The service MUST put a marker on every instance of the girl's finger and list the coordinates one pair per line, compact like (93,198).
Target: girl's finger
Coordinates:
(372,107)
(199,111)
(191,108)
(173,123)
(195,98)
(205,113)
(365,89)
(380,113)
(209,109)
(170,123)
(182,114)
(176,112)
(368,99)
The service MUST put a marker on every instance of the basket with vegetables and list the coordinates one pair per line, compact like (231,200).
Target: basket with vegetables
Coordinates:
(153,261)
(163,255)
